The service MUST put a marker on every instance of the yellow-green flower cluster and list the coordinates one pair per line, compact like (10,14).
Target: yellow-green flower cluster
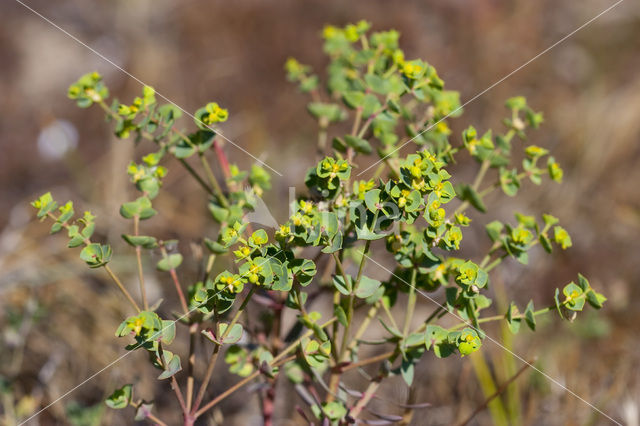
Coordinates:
(214,114)
(233,283)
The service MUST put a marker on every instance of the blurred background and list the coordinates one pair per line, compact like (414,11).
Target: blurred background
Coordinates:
(57,318)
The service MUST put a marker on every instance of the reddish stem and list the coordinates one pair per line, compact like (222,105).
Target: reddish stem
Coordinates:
(222,159)
(183,300)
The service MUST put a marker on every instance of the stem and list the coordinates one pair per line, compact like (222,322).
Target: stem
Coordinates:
(143,292)
(356,121)
(367,361)
(216,350)
(411,304)
(121,287)
(278,360)
(345,336)
(484,167)
(222,159)
(495,262)
(363,327)
(156,420)
(193,332)
(235,387)
(488,386)
(196,176)
(389,315)
(183,300)
(207,377)
(366,397)
(500,390)
(176,389)
(322,137)
(213,181)
(433,315)
(501,317)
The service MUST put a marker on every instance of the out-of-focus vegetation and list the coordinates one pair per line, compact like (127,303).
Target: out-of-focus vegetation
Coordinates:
(196,51)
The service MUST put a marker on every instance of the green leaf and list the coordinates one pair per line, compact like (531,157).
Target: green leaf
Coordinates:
(583,283)
(329,223)
(556,300)
(596,299)
(407,371)
(331,112)
(334,410)
(172,261)
(414,339)
(168,331)
(494,230)
(370,105)
(281,281)
(366,287)
(467,193)
(233,336)
(509,181)
(391,329)
(183,149)
(358,144)
(140,207)
(340,315)
(353,99)
(120,398)
(372,200)
(171,365)
(96,255)
(339,145)
(140,240)
(437,338)
(304,270)
(529,317)
(514,323)
(377,84)
(339,284)
(545,243)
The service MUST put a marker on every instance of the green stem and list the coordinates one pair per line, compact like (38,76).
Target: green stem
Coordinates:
(196,176)
(176,283)
(347,330)
(495,262)
(143,292)
(121,287)
(389,315)
(213,181)
(363,326)
(322,137)
(501,317)
(411,304)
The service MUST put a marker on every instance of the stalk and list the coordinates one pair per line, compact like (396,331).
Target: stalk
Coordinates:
(143,292)
(216,351)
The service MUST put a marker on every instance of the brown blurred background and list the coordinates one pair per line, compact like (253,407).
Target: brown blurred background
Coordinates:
(58,319)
